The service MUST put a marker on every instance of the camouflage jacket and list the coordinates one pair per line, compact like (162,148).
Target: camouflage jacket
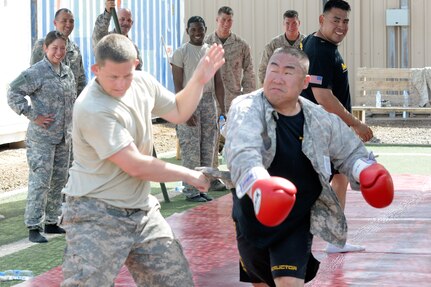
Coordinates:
(277,42)
(101,29)
(49,93)
(237,73)
(73,59)
(250,134)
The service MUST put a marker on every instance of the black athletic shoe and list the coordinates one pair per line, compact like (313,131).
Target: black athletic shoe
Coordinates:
(206,196)
(54,229)
(35,236)
(197,198)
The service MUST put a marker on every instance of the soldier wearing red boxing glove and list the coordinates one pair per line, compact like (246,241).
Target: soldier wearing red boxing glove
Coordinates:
(279,149)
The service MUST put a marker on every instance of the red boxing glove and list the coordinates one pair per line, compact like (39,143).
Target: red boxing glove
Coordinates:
(273,199)
(377,186)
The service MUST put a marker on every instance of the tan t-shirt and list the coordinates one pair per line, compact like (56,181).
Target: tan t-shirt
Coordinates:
(187,57)
(104,125)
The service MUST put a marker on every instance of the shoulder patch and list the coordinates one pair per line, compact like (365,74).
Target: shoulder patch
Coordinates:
(314,79)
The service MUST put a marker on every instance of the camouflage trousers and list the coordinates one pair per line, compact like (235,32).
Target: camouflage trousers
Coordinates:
(198,143)
(102,238)
(48,172)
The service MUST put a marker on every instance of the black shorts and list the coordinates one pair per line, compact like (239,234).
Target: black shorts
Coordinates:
(288,257)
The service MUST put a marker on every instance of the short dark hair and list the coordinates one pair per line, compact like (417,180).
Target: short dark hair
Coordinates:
(115,47)
(195,19)
(290,14)
(52,36)
(61,10)
(225,10)
(340,4)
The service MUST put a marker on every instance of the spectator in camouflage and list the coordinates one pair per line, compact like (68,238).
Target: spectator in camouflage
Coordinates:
(125,19)
(237,74)
(290,38)
(50,86)
(197,136)
(110,216)
(64,22)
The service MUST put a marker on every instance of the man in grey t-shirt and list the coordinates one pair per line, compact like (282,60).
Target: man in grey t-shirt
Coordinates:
(110,217)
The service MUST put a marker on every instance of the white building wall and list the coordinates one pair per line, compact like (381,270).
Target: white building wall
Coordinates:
(257,21)
(15,30)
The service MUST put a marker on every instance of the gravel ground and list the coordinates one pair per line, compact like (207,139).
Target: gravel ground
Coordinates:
(398,131)
(14,170)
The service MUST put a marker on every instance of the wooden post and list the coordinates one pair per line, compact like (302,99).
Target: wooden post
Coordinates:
(162,184)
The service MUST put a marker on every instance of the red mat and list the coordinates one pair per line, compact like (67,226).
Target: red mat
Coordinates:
(397,240)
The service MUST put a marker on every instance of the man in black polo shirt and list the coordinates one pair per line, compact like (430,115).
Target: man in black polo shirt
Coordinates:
(329,84)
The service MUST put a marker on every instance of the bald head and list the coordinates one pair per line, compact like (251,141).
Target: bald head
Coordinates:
(125,20)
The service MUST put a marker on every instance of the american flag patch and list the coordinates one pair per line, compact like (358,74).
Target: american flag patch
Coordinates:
(316,79)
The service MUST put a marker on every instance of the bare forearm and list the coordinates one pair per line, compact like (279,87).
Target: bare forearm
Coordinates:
(188,99)
(153,169)
(337,108)
(149,168)
(177,74)
(325,98)
(330,103)
(220,100)
(219,91)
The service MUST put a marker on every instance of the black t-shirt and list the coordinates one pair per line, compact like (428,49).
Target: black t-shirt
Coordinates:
(291,163)
(327,70)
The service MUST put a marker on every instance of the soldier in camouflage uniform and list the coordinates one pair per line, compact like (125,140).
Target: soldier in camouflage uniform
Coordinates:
(110,216)
(197,137)
(275,132)
(50,85)
(125,20)
(237,73)
(290,38)
(64,22)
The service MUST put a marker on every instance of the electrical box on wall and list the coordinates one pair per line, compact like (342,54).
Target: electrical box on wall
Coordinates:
(397,17)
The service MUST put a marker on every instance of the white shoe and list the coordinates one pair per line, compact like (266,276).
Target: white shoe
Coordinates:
(346,248)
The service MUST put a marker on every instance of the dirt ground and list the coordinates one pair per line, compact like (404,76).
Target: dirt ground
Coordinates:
(13,163)
(14,170)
